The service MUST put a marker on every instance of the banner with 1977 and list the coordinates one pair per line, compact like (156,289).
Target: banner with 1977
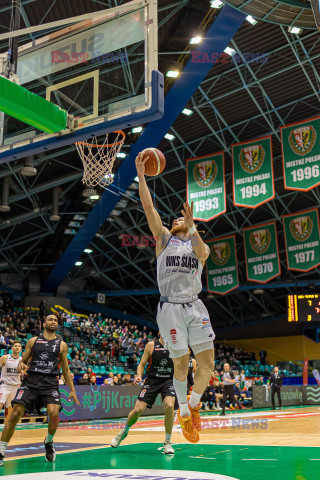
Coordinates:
(261,252)
(252,168)
(222,265)
(301,154)
(302,238)
(206,186)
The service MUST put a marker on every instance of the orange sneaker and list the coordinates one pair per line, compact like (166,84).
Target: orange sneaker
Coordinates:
(188,430)
(231,408)
(195,415)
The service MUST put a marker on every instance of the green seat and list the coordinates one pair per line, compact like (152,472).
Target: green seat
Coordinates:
(103,369)
(120,370)
(96,369)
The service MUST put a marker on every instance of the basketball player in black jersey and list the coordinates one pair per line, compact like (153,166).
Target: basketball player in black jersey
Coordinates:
(159,380)
(42,358)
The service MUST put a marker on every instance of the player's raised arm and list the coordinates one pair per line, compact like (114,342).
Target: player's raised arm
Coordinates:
(200,248)
(144,360)
(154,220)
(66,373)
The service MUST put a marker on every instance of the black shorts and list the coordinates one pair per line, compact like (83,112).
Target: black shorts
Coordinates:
(153,387)
(38,390)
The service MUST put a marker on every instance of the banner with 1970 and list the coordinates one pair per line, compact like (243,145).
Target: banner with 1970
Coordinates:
(206,186)
(252,172)
(261,252)
(301,154)
(302,238)
(222,265)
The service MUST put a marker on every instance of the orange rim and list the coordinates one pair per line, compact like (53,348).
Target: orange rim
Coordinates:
(106,145)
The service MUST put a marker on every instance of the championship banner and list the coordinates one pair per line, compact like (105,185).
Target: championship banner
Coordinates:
(252,168)
(300,144)
(222,265)
(206,186)
(302,239)
(261,252)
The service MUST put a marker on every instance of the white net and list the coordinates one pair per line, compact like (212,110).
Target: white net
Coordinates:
(98,159)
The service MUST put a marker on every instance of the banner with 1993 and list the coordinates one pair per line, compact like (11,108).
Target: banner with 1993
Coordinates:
(302,239)
(261,252)
(206,186)
(222,265)
(301,154)
(252,169)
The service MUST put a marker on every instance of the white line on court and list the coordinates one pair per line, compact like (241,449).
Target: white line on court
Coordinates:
(204,458)
(260,459)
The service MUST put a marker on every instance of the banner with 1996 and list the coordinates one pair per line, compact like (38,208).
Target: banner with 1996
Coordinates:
(302,237)
(301,154)
(206,186)
(252,169)
(222,265)
(261,252)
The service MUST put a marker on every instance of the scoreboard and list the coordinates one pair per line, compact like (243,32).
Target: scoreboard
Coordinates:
(316,11)
(304,308)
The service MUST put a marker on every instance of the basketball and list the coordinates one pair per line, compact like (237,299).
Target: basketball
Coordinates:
(156,162)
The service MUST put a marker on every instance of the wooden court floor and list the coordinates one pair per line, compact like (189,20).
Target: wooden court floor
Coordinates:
(255,444)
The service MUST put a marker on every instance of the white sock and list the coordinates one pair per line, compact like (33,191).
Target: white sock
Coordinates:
(3,446)
(49,438)
(181,392)
(195,398)
(168,437)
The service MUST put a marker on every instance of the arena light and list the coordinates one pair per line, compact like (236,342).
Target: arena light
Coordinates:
(295,30)
(229,51)
(109,175)
(172,73)
(136,179)
(87,250)
(216,3)
(121,155)
(195,40)
(187,112)
(78,264)
(94,197)
(168,136)
(136,130)
(251,20)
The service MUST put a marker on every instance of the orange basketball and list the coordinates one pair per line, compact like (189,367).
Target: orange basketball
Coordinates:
(156,162)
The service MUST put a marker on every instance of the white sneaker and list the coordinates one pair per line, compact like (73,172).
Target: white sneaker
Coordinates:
(115,442)
(207,409)
(167,448)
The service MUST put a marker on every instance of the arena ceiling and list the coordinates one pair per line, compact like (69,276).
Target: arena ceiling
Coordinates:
(236,102)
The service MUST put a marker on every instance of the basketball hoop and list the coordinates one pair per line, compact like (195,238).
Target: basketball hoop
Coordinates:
(98,160)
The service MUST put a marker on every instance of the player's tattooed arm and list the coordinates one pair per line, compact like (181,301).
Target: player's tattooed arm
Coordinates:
(26,356)
(67,374)
(200,248)
(144,360)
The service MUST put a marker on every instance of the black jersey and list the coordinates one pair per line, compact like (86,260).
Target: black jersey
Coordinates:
(160,364)
(45,356)
(190,373)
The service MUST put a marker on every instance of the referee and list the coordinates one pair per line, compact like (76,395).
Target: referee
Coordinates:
(228,380)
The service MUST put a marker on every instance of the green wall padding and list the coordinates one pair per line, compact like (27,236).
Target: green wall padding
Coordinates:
(28,107)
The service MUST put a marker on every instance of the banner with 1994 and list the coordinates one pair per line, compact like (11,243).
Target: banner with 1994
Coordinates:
(261,252)
(301,154)
(252,169)
(206,186)
(302,237)
(222,265)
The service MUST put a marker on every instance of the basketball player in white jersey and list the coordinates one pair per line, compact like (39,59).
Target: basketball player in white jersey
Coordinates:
(10,377)
(182,318)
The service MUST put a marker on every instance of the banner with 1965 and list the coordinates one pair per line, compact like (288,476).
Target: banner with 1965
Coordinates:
(261,252)
(302,238)
(301,154)
(206,186)
(222,267)
(252,168)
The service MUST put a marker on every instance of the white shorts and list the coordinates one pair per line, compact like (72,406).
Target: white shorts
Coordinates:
(7,393)
(184,324)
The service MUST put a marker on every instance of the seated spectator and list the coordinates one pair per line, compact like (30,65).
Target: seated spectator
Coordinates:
(132,361)
(106,381)
(84,380)
(132,347)
(127,379)
(75,365)
(2,341)
(208,398)
(119,379)
(93,379)
(92,357)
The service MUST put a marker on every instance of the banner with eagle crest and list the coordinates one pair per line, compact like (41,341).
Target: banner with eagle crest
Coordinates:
(261,252)
(252,168)
(301,154)
(222,265)
(206,186)
(302,237)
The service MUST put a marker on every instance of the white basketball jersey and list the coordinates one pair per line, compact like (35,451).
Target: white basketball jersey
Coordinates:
(9,372)
(179,270)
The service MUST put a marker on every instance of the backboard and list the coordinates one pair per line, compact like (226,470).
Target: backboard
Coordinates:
(101,68)
(316,11)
